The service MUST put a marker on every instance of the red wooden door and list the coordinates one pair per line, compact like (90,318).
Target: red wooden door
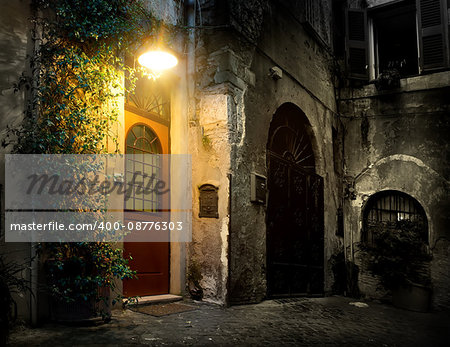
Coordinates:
(149,259)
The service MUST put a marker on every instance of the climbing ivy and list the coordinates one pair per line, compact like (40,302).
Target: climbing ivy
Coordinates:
(77,80)
(78,70)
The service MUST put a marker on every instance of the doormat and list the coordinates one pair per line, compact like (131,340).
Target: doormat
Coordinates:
(163,309)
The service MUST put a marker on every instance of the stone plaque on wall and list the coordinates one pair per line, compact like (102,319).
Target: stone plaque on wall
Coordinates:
(209,201)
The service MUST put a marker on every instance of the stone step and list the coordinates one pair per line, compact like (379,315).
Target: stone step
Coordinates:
(154,299)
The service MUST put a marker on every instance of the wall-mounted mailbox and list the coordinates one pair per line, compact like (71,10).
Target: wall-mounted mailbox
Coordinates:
(209,201)
(258,188)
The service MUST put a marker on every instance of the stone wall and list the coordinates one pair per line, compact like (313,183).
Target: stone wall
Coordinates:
(235,102)
(398,140)
(14,46)
(210,150)
(170,11)
(222,109)
(307,83)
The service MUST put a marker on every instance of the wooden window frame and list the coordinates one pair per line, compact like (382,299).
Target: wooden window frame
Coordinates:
(371,47)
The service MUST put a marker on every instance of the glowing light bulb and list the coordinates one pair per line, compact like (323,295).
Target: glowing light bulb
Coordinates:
(157,62)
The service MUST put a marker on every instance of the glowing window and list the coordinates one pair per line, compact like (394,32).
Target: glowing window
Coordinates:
(140,166)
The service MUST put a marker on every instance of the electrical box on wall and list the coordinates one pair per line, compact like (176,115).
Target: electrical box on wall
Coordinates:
(258,185)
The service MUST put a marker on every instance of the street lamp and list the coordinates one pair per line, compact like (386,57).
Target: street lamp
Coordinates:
(157,61)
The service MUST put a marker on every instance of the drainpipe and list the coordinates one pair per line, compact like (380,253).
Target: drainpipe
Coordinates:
(230,201)
(190,66)
(190,8)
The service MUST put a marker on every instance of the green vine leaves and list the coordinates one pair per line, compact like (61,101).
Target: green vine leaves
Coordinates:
(78,77)
(78,73)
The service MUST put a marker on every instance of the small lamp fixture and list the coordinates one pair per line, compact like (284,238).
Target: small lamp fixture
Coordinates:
(157,61)
(276,73)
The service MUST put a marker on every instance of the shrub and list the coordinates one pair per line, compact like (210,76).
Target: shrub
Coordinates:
(398,255)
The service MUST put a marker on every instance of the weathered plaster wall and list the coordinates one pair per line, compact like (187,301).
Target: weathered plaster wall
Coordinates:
(398,140)
(235,102)
(211,163)
(170,11)
(14,46)
(215,124)
(317,12)
(307,83)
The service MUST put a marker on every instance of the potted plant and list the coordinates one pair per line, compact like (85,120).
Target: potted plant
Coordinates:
(399,257)
(81,277)
(388,79)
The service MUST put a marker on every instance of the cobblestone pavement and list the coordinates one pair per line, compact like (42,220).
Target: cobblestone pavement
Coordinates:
(299,322)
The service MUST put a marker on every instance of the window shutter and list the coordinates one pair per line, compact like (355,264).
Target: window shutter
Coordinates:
(356,43)
(432,19)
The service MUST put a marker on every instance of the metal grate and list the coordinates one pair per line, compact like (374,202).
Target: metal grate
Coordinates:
(385,209)
(151,97)
(141,141)
(289,138)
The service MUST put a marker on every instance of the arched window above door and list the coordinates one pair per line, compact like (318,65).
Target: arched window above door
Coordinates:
(290,137)
(142,140)
(150,97)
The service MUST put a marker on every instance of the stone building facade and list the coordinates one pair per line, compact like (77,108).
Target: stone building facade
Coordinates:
(293,137)
(395,138)
(257,42)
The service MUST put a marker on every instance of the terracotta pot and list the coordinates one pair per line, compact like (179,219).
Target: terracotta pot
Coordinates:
(413,297)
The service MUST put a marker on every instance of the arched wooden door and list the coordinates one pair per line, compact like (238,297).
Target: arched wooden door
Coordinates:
(295,234)
(150,259)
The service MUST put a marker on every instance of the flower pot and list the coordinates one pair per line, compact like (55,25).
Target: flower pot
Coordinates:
(75,311)
(412,297)
(82,310)
(388,79)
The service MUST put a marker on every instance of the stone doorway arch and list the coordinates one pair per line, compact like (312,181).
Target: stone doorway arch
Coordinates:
(295,229)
